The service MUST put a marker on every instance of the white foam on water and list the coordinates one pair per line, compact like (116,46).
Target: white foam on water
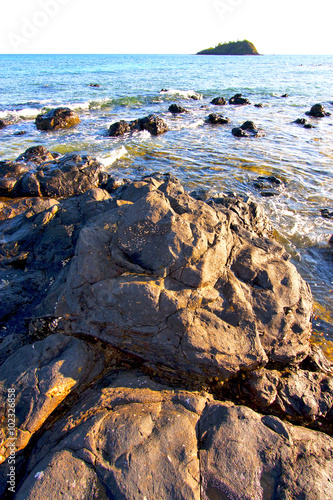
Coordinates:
(187,94)
(24,113)
(108,160)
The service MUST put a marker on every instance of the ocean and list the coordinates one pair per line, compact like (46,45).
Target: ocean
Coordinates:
(201,155)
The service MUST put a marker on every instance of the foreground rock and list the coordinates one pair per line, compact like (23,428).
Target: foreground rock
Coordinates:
(129,437)
(130,318)
(318,111)
(152,123)
(35,247)
(37,172)
(304,122)
(184,287)
(56,119)
(43,374)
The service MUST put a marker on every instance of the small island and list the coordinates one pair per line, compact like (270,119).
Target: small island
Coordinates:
(239,48)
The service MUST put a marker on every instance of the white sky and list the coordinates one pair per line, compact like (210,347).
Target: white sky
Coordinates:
(165,26)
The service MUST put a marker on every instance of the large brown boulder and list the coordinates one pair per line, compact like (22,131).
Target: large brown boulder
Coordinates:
(185,286)
(56,119)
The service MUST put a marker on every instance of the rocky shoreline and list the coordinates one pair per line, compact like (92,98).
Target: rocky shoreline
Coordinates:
(158,343)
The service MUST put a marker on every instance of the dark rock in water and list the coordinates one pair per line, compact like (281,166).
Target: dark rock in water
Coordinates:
(164,90)
(300,121)
(137,295)
(175,109)
(217,119)
(239,132)
(218,101)
(152,123)
(285,95)
(56,119)
(119,128)
(318,111)
(94,85)
(268,186)
(259,105)
(20,132)
(4,123)
(195,97)
(35,154)
(237,99)
(326,213)
(248,125)
(247,129)
(303,121)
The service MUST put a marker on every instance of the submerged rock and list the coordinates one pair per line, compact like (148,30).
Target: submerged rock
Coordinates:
(216,119)
(268,185)
(152,123)
(176,109)
(56,119)
(218,101)
(258,105)
(318,111)
(237,99)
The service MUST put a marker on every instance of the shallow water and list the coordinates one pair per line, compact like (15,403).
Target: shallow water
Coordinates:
(201,155)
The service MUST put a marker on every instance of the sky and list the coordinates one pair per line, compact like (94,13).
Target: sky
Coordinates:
(164,27)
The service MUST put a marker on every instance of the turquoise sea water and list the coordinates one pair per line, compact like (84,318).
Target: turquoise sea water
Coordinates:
(199,154)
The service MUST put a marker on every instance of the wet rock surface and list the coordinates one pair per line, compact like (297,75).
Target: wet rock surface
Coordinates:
(57,119)
(318,111)
(218,101)
(176,109)
(154,124)
(3,124)
(37,172)
(238,100)
(216,119)
(132,316)
(268,185)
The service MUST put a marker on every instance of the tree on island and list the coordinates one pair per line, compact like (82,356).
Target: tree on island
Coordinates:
(239,48)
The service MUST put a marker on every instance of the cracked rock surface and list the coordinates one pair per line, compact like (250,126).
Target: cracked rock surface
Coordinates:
(183,284)
(144,324)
